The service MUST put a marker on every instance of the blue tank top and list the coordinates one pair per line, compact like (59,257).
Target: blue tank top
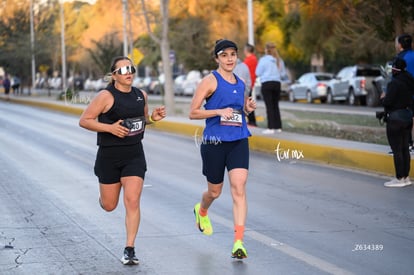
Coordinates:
(226,95)
(126,106)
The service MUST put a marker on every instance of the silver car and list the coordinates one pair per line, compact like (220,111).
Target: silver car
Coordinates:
(284,88)
(355,84)
(310,86)
(190,82)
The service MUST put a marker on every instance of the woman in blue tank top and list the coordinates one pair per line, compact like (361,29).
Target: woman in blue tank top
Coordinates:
(119,114)
(225,140)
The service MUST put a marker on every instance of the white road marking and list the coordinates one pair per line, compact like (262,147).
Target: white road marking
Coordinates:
(286,249)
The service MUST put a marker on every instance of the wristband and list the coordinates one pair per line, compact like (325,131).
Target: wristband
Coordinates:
(150,119)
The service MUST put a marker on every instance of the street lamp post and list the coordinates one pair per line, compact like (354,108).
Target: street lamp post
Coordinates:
(32,47)
(62,28)
(250,21)
(124,13)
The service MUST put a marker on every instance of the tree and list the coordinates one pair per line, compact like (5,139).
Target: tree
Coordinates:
(103,52)
(315,29)
(76,23)
(15,49)
(190,38)
(366,29)
(15,53)
(343,31)
(164,43)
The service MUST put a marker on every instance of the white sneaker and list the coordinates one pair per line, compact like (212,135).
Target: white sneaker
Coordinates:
(396,183)
(268,131)
(407,181)
(279,130)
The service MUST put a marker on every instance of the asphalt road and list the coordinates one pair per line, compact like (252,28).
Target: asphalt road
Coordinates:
(303,218)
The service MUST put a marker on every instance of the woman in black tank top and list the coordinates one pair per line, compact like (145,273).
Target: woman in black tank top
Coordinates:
(119,114)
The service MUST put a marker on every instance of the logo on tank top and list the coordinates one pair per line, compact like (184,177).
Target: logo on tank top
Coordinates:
(234,92)
(139,98)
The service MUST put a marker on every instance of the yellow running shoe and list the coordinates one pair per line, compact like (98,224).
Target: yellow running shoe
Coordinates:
(238,251)
(203,223)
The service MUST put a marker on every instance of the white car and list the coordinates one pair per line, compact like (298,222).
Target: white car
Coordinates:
(55,83)
(257,88)
(310,86)
(138,82)
(191,81)
(100,84)
(178,84)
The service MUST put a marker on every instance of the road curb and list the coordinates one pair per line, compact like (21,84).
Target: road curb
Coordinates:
(282,149)
(290,150)
(49,105)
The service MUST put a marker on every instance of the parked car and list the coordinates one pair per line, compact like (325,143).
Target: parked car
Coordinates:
(381,82)
(152,85)
(178,84)
(41,82)
(191,81)
(138,82)
(55,83)
(100,84)
(89,84)
(310,86)
(78,83)
(284,88)
(355,84)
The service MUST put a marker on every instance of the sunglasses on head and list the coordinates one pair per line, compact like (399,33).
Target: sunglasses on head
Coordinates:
(125,70)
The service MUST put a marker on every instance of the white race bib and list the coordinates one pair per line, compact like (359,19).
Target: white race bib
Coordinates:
(235,120)
(138,124)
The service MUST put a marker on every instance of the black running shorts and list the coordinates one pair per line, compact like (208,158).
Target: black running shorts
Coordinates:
(114,162)
(217,157)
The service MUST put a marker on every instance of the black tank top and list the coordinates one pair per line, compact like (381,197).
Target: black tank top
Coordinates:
(126,106)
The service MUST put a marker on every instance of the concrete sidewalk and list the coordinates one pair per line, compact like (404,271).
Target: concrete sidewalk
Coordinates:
(284,146)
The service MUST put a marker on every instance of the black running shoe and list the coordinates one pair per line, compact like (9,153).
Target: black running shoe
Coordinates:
(129,257)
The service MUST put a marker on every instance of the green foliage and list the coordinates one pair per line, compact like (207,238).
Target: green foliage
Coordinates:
(15,41)
(290,24)
(69,94)
(103,53)
(150,49)
(190,39)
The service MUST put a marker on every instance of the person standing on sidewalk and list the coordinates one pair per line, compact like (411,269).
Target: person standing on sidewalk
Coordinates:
(403,46)
(251,61)
(397,104)
(16,85)
(6,86)
(242,71)
(119,114)
(225,140)
(270,70)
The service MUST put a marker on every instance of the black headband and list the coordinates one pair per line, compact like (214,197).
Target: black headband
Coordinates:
(221,45)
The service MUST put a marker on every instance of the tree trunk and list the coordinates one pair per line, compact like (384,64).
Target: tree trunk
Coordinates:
(166,63)
(396,16)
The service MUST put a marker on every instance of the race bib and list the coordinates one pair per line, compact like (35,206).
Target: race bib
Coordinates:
(137,126)
(235,120)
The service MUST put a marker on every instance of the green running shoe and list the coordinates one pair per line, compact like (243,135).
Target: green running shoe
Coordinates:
(203,223)
(239,251)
